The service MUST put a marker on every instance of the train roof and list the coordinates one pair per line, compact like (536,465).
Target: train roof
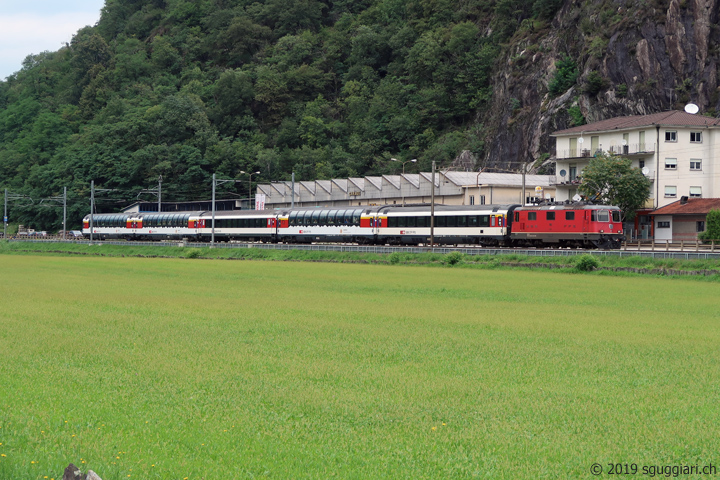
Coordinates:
(569,206)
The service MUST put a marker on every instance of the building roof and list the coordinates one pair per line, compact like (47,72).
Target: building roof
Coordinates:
(673,118)
(689,206)
(464,179)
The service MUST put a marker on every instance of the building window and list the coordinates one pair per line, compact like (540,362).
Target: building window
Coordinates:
(482,199)
(670,191)
(671,164)
(663,225)
(472,199)
(700,226)
(642,164)
(696,137)
(670,136)
(695,164)
(696,191)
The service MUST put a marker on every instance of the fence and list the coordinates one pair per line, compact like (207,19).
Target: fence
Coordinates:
(682,250)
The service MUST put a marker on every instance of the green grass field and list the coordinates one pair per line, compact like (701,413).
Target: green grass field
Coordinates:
(210,369)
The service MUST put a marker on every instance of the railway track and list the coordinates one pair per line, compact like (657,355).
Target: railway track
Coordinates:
(683,250)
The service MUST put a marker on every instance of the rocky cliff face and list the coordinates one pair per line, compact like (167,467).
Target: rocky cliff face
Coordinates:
(632,58)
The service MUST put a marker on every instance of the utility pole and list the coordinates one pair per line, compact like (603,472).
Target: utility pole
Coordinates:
(5,219)
(522,202)
(92,207)
(292,191)
(432,209)
(160,194)
(64,213)
(212,235)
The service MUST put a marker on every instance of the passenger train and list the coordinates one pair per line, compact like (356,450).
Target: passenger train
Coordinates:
(576,225)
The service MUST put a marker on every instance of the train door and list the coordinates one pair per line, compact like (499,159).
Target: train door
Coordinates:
(272,224)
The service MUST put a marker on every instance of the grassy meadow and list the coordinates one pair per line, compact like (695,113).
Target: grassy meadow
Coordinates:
(210,369)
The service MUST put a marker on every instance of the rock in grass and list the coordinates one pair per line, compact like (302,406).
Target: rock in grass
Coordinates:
(72,473)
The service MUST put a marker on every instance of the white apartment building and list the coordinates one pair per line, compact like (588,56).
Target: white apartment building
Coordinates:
(679,152)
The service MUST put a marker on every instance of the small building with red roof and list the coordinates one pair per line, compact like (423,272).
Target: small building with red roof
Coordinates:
(683,219)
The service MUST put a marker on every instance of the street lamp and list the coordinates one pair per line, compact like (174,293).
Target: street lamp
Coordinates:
(250,174)
(216,182)
(414,160)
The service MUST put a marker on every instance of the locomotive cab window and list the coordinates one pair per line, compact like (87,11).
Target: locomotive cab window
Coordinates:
(600,216)
(616,216)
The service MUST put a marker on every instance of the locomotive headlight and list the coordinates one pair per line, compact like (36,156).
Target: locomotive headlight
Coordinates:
(602,231)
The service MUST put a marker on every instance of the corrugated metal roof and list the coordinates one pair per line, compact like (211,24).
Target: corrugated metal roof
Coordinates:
(413,179)
(491,178)
(393,180)
(325,185)
(673,118)
(375,182)
(342,183)
(358,182)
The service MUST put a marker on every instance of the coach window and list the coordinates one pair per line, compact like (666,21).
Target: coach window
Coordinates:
(569,215)
(307,220)
(532,216)
(462,221)
(452,221)
(322,219)
(315,217)
(356,217)
(440,221)
(484,220)
(292,219)
(340,218)
(472,221)
(402,222)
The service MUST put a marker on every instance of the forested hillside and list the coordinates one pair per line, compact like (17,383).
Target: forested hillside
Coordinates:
(184,89)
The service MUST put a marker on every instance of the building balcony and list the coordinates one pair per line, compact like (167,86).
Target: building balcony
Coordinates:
(637,149)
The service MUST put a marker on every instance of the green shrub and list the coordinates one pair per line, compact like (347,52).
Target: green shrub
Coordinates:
(193,253)
(454,258)
(395,258)
(587,263)
(566,75)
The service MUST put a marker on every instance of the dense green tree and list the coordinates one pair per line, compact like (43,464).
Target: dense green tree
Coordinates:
(188,88)
(712,227)
(612,180)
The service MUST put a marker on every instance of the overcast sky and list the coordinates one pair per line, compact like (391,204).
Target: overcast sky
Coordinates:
(34,26)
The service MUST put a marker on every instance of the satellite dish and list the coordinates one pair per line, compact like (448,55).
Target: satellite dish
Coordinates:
(624,142)
(691,108)
(577,197)
(581,140)
(563,173)
(645,170)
